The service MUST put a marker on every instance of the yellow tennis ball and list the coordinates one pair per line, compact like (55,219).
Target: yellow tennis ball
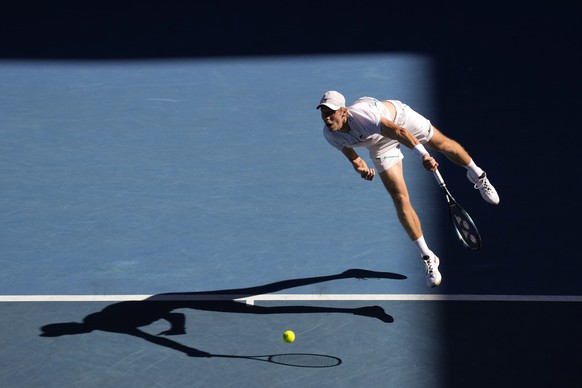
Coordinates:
(288,336)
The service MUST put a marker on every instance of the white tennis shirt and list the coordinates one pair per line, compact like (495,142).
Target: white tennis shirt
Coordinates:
(364,121)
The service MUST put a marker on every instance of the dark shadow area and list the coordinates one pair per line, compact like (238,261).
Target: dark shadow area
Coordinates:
(515,344)
(148,29)
(176,28)
(128,317)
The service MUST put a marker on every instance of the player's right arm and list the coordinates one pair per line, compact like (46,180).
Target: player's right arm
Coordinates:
(403,136)
(359,164)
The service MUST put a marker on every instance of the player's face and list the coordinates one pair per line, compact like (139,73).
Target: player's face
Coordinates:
(333,119)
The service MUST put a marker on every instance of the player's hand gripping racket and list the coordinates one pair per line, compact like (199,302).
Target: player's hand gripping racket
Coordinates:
(462,222)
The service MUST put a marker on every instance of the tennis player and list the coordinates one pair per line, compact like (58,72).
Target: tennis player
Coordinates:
(381,127)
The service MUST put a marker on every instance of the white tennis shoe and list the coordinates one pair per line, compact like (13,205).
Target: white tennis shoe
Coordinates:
(485,187)
(433,276)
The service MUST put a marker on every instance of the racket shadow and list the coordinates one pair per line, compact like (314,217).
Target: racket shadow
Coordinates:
(297,360)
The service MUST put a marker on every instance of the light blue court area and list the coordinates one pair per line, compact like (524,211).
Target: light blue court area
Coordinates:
(165,221)
(154,176)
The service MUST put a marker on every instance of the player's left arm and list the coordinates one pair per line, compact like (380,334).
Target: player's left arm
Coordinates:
(405,137)
(359,164)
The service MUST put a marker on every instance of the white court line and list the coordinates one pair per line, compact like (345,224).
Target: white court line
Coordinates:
(292,297)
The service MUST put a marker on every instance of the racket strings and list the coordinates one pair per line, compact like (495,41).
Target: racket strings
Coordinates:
(466,229)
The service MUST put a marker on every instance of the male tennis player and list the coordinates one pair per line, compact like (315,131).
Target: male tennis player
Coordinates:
(381,126)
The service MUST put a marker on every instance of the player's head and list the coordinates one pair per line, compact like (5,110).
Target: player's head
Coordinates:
(333,100)
(333,110)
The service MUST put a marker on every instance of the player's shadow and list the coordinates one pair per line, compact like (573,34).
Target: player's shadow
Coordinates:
(129,316)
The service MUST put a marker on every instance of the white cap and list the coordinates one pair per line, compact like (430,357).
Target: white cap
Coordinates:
(333,100)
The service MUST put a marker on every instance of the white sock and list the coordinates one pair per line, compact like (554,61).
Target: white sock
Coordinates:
(422,247)
(476,170)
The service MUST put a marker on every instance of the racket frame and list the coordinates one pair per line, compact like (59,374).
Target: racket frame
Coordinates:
(452,203)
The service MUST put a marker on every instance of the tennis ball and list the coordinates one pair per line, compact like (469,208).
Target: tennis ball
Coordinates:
(288,336)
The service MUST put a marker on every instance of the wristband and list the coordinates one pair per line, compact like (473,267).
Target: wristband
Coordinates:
(419,150)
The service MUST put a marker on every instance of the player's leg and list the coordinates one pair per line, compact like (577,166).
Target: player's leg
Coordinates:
(393,180)
(368,311)
(427,134)
(448,147)
(457,154)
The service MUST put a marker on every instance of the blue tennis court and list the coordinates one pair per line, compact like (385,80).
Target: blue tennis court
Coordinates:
(197,198)
(166,219)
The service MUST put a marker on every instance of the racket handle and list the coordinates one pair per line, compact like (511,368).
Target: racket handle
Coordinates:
(439,178)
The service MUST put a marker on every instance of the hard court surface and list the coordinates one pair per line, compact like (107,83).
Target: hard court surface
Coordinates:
(197,197)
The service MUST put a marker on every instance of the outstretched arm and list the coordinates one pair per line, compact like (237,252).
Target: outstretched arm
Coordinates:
(168,343)
(404,137)
(359,164)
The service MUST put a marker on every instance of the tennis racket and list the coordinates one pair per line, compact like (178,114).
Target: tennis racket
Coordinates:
(464,226)
(298,360)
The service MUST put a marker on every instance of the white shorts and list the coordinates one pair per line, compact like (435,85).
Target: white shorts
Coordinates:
(386,153)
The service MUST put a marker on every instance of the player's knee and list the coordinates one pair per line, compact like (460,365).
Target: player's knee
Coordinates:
(401,200)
